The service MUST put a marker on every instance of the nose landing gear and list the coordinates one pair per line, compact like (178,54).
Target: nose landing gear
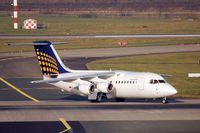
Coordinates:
(164,100)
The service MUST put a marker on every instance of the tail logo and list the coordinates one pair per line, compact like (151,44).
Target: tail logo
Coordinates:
(47,63)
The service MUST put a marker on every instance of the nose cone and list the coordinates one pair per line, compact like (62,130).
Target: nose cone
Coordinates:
(171,90)
(167,90)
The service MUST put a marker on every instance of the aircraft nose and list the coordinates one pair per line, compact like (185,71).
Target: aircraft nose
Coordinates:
(172,90)
(168,90)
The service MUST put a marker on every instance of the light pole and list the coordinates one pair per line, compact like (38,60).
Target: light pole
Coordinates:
(15,14)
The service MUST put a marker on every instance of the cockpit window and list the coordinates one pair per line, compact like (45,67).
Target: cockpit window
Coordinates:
(161,81)
(154,81)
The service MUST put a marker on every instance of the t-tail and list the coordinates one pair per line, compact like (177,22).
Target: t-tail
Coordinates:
(49,61)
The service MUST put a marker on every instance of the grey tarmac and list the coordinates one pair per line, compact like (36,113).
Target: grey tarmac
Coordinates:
(113,52)
(96,36)
(19,114)
(177,109)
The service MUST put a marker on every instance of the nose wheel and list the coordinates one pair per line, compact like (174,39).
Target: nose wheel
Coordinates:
(164,100)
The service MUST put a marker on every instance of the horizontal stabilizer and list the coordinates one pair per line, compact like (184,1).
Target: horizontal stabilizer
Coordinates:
(74,76)
(36,43)
(165,75)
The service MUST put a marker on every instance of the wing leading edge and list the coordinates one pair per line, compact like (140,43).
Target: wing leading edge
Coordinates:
(74,76)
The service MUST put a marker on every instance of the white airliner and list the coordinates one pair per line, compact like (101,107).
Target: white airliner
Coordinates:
(98,84)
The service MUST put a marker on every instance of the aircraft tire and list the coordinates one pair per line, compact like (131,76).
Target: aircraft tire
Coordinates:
(99,97)
(164,100)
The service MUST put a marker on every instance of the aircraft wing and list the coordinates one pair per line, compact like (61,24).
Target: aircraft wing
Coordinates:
(74,76)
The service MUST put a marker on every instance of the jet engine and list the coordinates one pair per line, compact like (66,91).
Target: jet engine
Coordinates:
(86,88)
(105,87)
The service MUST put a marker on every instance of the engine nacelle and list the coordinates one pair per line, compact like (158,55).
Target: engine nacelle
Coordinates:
(86,89)
(70,86)
(66,86)
(105,87)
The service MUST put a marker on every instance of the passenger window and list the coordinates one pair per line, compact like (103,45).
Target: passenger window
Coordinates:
(119,82)
(127,82)
(116,82)
(122,82)
(130,82)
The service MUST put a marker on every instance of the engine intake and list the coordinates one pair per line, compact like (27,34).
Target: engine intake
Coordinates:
(86,88)
(105,87)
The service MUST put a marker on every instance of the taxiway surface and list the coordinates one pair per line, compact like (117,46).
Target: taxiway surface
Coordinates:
(16,110)
(96,36)
(113,52)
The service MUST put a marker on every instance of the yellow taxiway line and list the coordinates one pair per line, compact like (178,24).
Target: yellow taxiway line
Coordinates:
(65,124)
(18,90)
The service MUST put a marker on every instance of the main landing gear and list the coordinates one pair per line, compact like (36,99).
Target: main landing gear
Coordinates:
(99,97)
(164,100)
(96,97)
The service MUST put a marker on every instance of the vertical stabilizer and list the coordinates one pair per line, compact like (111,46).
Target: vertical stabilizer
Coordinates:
(49,61)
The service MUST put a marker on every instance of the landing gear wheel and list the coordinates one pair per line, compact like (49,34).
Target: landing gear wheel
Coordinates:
(164,100)
(120,99)
(99,97)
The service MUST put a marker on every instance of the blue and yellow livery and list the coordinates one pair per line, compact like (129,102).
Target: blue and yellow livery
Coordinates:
(49,61)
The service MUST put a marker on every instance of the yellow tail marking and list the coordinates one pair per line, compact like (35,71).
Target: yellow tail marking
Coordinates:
(18,90)
(65,124)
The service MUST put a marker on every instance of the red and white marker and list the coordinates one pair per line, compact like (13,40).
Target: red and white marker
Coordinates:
(15,14)
(122,43)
